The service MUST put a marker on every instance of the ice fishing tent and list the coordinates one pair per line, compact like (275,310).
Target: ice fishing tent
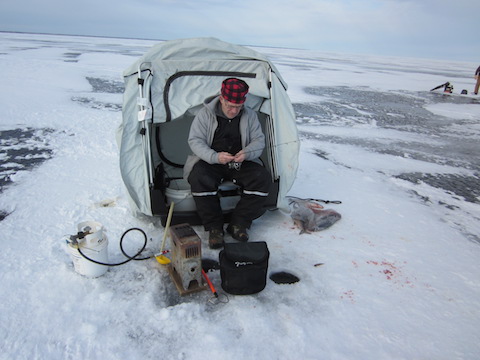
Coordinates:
(164,89)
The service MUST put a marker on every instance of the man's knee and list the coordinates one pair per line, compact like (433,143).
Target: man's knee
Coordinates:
(202,177)
(261,178)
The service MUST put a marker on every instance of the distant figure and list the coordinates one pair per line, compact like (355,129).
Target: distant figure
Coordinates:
(477,85)
(448,88)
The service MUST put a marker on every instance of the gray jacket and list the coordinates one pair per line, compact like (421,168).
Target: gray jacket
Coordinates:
(202,132)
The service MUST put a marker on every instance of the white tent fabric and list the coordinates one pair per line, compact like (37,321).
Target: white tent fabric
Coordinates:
(175,78)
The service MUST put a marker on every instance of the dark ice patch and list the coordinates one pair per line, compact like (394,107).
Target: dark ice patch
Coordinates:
(21,150)
(102,86)
(3,214)
(467,187)
(401,111)
(106,85)
(96,104)
(362,106)
(71,56)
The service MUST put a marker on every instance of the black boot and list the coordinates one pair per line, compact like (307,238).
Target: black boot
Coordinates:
(215,238)
(238,232)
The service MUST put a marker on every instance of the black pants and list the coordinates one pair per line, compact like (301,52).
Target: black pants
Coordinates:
(254,180)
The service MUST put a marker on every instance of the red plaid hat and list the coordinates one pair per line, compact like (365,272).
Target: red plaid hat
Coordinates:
(234,90)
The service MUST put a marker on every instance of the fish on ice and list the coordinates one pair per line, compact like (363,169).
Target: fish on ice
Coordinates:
(310,216)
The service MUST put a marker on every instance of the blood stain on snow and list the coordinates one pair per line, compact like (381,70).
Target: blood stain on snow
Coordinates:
(392,272)
(348,295)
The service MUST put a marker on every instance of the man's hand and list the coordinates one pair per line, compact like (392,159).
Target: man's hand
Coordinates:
(225,158)
(239,157)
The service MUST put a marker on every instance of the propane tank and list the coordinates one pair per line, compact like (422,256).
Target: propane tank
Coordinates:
(91,241)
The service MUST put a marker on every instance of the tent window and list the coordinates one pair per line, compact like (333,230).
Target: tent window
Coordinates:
(180,74)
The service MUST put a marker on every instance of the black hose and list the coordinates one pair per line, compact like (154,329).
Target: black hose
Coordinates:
(130,258)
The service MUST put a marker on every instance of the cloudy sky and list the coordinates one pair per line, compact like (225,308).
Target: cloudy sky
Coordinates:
(441,29)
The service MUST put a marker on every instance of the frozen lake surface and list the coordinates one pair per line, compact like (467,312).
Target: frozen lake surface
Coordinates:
(400,274)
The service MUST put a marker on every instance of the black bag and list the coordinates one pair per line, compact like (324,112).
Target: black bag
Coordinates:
(243,267)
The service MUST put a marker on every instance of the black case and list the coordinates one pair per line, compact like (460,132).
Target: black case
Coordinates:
(243,267)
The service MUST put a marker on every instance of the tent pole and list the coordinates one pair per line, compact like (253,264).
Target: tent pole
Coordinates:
(271,129)
(142,117)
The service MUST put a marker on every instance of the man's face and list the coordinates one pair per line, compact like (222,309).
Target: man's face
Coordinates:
(230,109)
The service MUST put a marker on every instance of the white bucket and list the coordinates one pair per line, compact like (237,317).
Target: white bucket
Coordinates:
(179,192)
(228,202)
(94,246)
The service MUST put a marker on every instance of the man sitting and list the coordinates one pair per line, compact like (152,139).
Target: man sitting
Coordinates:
(226,139)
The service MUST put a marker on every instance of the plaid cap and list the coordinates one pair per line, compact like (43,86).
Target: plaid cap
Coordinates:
(234,90)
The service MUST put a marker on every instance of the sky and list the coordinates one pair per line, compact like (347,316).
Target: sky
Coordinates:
(437,29)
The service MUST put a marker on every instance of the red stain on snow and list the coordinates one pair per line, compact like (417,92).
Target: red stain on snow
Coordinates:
(349,295)
(392,271)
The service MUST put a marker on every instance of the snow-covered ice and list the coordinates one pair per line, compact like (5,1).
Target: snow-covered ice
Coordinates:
(400,277)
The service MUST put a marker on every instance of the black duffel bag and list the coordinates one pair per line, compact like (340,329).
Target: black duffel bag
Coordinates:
(243,267)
